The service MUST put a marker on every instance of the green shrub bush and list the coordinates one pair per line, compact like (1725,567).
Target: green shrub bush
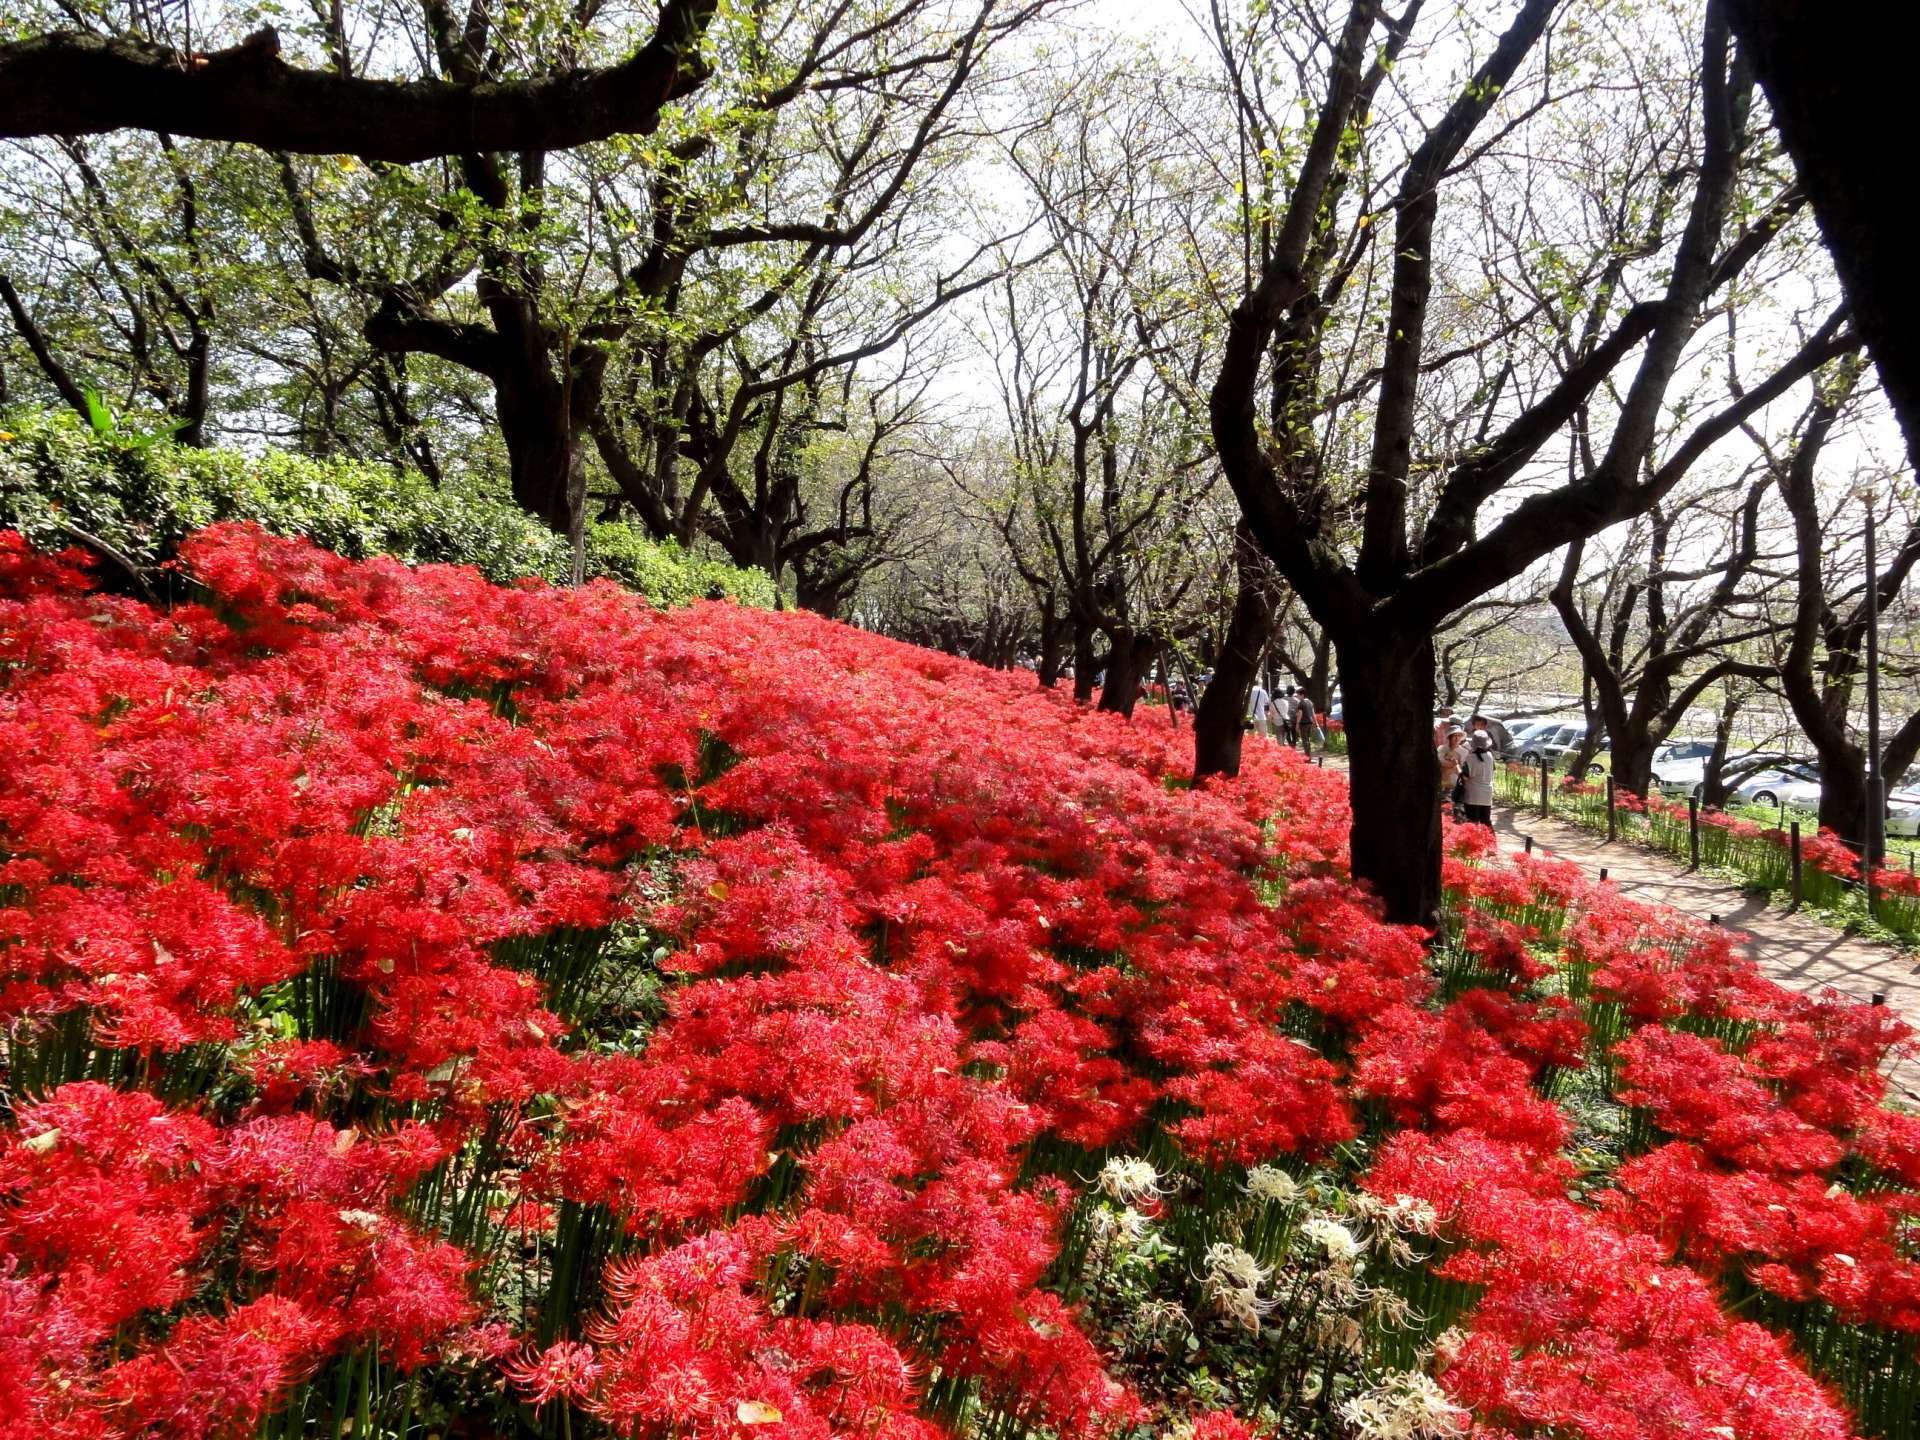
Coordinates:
(142,497)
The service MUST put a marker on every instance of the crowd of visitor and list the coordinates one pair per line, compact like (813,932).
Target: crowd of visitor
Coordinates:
(1288,716)
(1467,755)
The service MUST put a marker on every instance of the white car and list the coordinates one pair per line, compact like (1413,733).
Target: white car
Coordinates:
(1903,812)
(1680,766)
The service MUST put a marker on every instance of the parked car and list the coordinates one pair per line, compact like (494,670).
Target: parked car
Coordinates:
(1521,731)
(1790,787)
(1553,747)
(1680,766)
(1903,812)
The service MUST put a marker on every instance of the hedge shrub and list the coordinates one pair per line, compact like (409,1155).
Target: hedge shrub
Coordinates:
(144,497)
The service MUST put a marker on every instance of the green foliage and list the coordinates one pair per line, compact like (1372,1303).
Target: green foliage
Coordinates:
(141,495)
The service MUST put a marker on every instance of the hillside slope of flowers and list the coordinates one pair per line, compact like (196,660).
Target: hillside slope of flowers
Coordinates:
(436,1008)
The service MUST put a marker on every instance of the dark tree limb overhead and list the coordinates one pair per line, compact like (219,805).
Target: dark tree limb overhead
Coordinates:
(1837,97)
(67,83)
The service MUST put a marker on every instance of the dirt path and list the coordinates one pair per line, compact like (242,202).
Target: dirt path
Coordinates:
(1793,949)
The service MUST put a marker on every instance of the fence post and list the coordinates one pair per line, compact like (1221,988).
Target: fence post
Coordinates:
(1529,840)
(1603,874)
(1794,845)
(1544,804)
(1613,831)
(1693,831)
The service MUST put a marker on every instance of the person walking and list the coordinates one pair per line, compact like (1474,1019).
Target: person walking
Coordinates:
(1305,720)
(1443,724)
(1477,772)
(1258,704)
(1279,718)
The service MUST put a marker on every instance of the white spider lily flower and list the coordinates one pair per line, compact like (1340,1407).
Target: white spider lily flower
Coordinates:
(1392,1311)
(1125,1226)
(1405,1405)
(1404,1213)
(1130,1178)
(1411,1215)
(1230,1265)
(1332,1239)
(1270,1182)
(1233,1284)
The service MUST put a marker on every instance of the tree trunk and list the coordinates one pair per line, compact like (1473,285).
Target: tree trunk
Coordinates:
(1387,684)
(1084,662)
(828,589)
(1829,83)
(1713,781)
(1052,646)
(1843,791)
(1319,678)
(543,447)
(1218,728)
(1125,664)
(1633,756)
(193,409)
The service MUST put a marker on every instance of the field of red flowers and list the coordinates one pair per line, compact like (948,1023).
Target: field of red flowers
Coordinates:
(433,1008)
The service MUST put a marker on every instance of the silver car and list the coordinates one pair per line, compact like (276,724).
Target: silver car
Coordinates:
(1680,766)
(1520,732)
(1791,787)
(1555,744)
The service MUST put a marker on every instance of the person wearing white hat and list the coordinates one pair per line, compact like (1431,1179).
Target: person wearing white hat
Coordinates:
(1452,750)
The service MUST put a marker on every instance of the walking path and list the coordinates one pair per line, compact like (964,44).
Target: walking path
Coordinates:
(1793,949)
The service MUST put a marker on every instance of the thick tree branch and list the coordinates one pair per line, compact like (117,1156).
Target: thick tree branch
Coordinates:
(1383,547)
(1542,523)
(73,84)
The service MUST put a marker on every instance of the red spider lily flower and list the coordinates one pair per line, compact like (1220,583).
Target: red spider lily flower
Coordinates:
(439,909)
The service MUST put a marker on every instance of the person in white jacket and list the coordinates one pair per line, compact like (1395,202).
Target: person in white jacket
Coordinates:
(1477,770)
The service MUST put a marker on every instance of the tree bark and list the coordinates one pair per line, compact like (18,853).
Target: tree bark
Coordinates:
(1387,686)
(543,444)
(1319,680)
(1125,669)
(1713,779)
(1218,728)
(1085,662)
(1843,792)
(1052,645)
(1633,757)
